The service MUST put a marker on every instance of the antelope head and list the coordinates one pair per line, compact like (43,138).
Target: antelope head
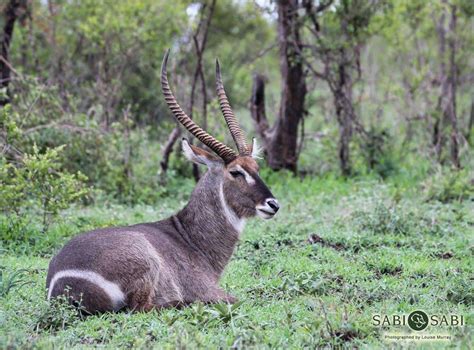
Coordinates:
(242,188)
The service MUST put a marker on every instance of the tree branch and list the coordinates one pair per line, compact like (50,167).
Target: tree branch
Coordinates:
(257,108)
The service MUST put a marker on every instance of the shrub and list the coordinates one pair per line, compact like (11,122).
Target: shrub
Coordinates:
(12,279)
(377,150)
(56,315)
(120,160)
(38,184)
(447,185)
(33,181)
(382,220)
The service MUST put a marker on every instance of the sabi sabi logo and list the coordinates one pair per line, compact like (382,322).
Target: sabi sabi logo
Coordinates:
(418,320)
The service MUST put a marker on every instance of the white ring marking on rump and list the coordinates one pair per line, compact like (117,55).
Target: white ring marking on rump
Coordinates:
(110,288)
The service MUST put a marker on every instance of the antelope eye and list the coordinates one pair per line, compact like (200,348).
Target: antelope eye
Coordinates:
(236,173)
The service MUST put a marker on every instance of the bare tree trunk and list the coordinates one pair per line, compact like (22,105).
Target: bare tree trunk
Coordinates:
(11,14)
(127,154)
(257,109)
(167,151)
(344,112)
(470,124)
(451,107)
(24,46)
(438,128)
(57,72)
(446,108)
(282,142)
(345,135)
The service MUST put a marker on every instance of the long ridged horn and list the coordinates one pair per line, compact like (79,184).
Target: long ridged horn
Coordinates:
(232,123)
(226,153)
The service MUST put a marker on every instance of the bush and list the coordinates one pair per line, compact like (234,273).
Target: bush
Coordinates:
(377,151)
(32,182)
(57,314)
(10,280)
(382,220)
(447,185)
(120,161)
(38,184)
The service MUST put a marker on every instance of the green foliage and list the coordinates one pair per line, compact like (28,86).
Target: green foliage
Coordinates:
(10,280)
(56,315)
(377,149)
(210,315)
(39,184)
(54,189)
(8,124)
(120,163)
(227,313)
(447,185)
(241,22)
(34,182)
(106,52)
(382,220)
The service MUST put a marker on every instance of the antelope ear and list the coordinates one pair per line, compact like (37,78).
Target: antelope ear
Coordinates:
(200,156)
(256,150)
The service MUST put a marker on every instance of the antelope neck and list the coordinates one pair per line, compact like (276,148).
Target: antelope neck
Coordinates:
(210,224)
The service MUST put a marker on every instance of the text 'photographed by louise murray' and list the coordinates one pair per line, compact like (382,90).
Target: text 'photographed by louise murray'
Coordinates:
(418,326)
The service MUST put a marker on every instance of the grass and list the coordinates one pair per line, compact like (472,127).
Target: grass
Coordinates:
(337,253)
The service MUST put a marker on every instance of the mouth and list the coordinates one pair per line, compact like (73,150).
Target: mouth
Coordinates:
(265,214)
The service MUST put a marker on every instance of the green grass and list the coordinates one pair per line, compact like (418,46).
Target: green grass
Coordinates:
(376,248)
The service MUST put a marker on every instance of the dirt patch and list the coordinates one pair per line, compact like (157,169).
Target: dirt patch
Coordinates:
(284,242)
(446,255)
(391,271)
(316,239)
(346,335)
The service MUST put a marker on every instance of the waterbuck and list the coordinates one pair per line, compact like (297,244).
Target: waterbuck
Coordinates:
(178,260)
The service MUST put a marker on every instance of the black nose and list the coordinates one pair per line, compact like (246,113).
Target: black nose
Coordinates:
(273,203)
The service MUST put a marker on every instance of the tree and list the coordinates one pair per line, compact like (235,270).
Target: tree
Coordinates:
(107,52)
(335,33)
(436,87)
(448,78)
(14,10)
(280,140)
